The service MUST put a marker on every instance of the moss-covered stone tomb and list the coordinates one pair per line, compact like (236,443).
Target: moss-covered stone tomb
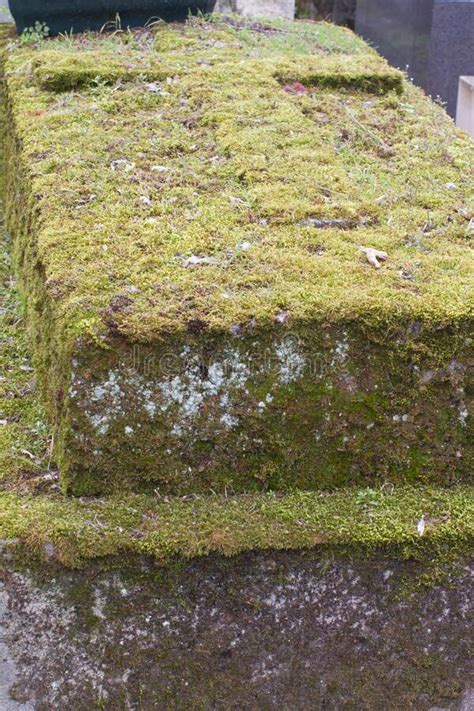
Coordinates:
(196,213)
(236,321)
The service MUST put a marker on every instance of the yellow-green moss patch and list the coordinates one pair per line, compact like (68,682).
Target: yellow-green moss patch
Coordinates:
(142,177)
(74,531)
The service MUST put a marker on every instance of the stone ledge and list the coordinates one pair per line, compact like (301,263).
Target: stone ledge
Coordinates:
(74,531)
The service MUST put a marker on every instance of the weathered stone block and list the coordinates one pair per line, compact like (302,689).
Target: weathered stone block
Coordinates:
(328,633)
(189,211)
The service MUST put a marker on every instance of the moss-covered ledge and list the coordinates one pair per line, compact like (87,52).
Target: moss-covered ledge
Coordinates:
(55,70)
(73,531)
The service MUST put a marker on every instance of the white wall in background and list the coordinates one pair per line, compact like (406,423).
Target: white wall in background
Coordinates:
(258,8)
(465,109)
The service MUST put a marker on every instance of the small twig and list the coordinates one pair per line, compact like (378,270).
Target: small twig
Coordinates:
(50,451)
(373,256)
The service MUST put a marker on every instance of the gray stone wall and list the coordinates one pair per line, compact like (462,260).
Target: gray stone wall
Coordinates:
(401,31)
(452,49)
(434,39)
(261,631)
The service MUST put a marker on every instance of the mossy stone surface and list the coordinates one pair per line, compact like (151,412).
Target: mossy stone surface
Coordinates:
(188,205)
(269,630)
(40,522)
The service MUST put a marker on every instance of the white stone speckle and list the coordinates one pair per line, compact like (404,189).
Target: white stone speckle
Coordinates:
(229,421)
(463,415)
(290,360)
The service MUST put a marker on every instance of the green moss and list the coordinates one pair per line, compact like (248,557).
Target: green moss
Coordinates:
(363,73)
(371,519)
(55,70)
(25,436)
(24,433)
(217,132)
(368,519)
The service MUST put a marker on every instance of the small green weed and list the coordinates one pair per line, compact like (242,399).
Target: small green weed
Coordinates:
(35,34)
